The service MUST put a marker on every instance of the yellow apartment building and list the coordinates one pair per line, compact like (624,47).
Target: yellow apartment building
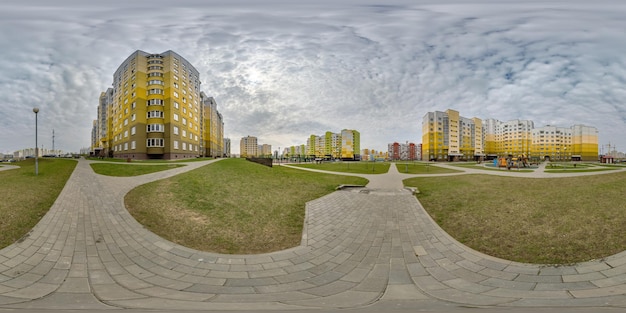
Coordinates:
(449,136)
(154,110)
(350,144)
(248,147)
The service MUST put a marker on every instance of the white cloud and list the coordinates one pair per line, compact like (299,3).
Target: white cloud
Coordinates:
(282,71)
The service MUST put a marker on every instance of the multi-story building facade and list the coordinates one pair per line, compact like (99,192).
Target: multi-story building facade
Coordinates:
(155,110)
(350,145)
(403,151)
(248,147)
(578,142)
(509,138)
(327,146)
(265,151)
(213,128)
(227,147)
(100,145)
(449,136)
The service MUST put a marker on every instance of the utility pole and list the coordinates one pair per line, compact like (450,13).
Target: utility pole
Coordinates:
(53,142)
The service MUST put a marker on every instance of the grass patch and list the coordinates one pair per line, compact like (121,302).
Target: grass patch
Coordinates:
(125,170)
(232,206)
(546,221)
(350,167)
(117,160)
(422,168)
(487,167)
(26,198)
(572,170)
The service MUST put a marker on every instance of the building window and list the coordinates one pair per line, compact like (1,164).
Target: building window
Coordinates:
(175,144)
(155,114)
(154,142)
(184,133)
(132,130)
(184,121)
(155,102)
(184,146)
(133,145)
(175,130)
(133,117)
(175,116)
(125,133)
(175,94)
(125,121)
(155,128)
(133,105)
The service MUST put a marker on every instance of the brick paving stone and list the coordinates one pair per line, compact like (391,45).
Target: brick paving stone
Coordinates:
(610,281)
(75,285)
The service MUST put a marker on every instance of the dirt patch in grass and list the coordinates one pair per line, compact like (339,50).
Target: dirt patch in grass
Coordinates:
(547,221)
(232,206)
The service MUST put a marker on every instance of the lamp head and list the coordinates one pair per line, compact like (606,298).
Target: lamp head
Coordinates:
(36,110)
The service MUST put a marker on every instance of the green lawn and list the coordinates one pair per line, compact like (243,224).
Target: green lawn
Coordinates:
(115,169)
(232,206)
(117,160)
(26,198)
(549,221)
(349,167)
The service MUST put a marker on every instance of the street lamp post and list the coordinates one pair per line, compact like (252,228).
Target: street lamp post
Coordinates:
(36,110)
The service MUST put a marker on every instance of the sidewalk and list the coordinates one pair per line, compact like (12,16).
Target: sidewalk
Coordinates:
(358,248)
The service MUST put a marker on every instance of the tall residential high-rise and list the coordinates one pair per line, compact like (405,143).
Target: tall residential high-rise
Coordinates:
(449,136)
(154,110)
(350,144)
(513,137)
(327,146)
(264,151)
(403,151)
(227,147)
(213,126)
(248,147)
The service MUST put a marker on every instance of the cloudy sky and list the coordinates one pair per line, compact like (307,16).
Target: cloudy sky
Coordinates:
(283,70)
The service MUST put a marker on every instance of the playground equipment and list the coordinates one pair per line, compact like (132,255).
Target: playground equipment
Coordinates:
(510,161)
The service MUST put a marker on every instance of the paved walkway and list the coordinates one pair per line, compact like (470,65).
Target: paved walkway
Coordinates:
(359,247)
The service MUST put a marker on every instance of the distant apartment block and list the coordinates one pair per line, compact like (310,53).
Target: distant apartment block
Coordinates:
(449,136)
(403,151)
(227,147)
(373,155)
(344,145)
(264,151)
(213,128)
(156,110)
(248,147)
